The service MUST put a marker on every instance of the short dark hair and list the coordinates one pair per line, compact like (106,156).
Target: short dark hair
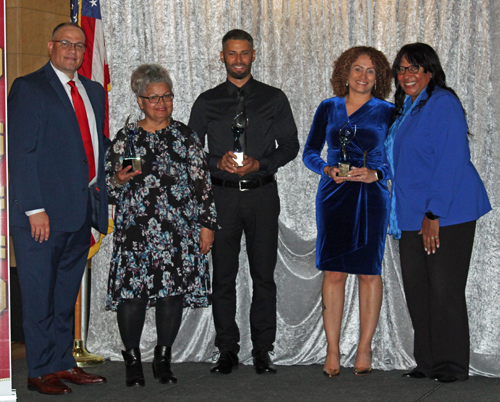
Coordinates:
(423,55)
(342,67)
(237,34)
(67,24)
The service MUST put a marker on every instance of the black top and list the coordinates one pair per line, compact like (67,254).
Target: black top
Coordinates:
(270,121)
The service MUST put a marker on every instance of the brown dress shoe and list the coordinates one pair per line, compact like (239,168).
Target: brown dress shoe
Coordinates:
(77,376)
(48,384)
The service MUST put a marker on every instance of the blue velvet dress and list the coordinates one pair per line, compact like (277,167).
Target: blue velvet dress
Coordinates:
(351,217)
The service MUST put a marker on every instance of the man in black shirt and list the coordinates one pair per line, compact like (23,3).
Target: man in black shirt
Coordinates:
(246,194)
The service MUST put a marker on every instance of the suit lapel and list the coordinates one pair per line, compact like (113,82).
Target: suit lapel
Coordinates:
(408,120)
(56,84)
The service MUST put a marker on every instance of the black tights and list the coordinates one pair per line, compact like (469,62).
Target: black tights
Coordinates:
(131,315)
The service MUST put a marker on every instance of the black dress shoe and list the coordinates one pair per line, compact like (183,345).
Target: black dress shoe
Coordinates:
(414,374)
(444,378)
(263,364)
(228,361)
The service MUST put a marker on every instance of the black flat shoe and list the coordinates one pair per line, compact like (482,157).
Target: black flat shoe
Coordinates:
(133,368)
(228,361)
(161,365)
(444,378)
(263,364)
(414,374)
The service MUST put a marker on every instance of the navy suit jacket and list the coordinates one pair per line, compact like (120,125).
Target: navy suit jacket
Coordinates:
(47,161)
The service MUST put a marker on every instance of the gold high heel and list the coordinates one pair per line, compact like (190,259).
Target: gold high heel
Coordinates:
(331,372)
(361,371)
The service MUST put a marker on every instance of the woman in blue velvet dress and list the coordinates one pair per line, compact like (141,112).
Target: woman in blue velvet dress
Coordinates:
(352,212)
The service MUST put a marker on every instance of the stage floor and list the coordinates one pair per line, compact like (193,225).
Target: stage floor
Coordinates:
(291,383)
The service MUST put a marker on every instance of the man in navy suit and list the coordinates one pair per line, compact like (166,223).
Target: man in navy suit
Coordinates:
(57,192)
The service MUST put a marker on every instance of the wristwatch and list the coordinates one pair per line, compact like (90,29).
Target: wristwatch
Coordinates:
(380,175)
(431,216)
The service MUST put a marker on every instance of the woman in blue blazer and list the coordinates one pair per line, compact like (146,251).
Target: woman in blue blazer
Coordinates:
(437,196)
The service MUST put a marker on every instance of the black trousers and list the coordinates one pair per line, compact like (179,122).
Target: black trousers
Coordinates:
(435,293)
(255,213)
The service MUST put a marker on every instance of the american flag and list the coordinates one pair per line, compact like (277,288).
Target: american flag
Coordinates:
(87,14)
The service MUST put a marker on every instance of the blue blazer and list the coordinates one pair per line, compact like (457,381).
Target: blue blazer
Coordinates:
(47,162)
(432,167)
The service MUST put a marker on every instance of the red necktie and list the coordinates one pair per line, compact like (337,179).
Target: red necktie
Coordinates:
(81,115)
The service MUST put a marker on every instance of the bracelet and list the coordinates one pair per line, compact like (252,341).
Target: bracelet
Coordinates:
(115,183)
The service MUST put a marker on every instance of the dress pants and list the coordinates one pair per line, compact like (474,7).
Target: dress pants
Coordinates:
(50,275)
(254,212)
(435,293)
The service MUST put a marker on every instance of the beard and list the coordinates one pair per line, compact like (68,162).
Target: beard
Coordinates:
(239,75)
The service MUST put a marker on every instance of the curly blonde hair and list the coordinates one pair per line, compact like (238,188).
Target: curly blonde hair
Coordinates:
(342,66)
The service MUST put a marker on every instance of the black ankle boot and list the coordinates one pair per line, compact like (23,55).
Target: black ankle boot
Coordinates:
(161,365)
(133,368)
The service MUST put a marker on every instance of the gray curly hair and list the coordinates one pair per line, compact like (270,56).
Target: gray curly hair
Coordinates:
(147,74)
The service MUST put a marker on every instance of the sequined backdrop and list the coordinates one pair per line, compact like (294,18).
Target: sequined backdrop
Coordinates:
(297,42)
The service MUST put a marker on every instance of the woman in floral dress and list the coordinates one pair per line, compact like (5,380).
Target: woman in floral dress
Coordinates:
(164,222)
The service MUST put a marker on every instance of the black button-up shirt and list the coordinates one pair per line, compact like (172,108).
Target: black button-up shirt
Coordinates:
(271,134)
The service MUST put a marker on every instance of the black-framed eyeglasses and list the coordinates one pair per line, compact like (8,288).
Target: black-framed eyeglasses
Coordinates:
(413,69)
(156,98)
(66,44)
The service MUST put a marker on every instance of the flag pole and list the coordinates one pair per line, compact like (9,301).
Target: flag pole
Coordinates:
(87,14)
(82,356)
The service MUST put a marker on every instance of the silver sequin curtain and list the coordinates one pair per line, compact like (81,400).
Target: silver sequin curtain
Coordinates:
(297,42)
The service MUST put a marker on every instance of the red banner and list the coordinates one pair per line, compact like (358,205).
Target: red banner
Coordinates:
(5,368)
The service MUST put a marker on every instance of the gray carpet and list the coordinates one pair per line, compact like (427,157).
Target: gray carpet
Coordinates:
(291,383)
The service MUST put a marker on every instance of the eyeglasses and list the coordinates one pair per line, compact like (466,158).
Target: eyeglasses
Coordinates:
(66,44)
(413,69)
(156,98)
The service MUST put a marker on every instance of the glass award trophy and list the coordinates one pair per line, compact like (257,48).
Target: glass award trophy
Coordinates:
(238,127)
(346,135)
(130,157)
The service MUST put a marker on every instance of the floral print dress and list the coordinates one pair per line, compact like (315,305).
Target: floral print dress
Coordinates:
(158,218)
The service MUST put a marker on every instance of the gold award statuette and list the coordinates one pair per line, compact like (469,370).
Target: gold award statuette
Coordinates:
(344,168)
(136,164)
(346,135)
